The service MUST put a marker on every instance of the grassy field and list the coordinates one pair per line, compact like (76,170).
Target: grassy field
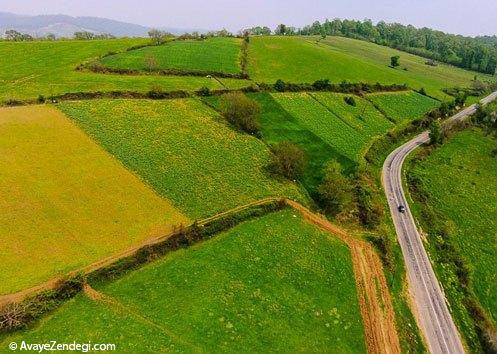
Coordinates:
(65,202)
(184,150)
(214,54)
(460,180)
(403,106)
(343,130)
(337,59)
(45,68)
(274,284)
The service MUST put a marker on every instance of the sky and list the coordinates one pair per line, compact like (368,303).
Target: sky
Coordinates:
(475,17)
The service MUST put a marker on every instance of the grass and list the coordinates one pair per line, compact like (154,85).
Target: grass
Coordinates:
(460,180)
(301,59)
(215,54)
(274,284)
(184,150)
(64,201)
(345,132)
(403,106)
(46,68)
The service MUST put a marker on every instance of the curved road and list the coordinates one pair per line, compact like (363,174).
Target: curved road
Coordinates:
(431,308)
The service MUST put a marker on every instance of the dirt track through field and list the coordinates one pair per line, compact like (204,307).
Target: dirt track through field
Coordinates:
(374,297)
(120,308)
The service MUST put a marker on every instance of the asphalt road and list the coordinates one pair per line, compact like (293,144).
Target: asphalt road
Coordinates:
(431,308)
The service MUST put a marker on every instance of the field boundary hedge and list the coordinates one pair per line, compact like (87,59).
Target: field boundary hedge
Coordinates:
(156,93)
(94,65)
(19,310)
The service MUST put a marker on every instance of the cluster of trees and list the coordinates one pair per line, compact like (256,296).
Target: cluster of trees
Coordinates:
(159,37)
(13,35)
(486,116)
(257,31)
(86,35)
(242,112)
(478,54)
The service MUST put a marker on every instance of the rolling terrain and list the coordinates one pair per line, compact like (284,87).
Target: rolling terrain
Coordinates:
(95,179)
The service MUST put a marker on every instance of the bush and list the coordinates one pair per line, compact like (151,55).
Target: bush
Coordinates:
(204,91)
(335,191)
(280,86)
(41,99)
(494,153)
(350,100)
(422,91)
(288,160)
(242,112)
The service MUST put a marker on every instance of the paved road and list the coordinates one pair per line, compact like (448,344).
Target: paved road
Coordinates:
(430,305)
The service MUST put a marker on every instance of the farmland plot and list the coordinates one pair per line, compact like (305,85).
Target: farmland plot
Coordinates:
(403,106)
(64,201)
(280,285)
(213,54)
(183,149)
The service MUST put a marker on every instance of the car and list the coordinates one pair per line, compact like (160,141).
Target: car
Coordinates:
(402,209)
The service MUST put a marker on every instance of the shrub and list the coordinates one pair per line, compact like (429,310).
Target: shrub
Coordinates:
(422,91)
(155,93)
(41,99)
(350,100)
(288,160)
(436,133)
(280,86)
(242,112)
(321,85)
(494,153)
(335,192)
(204,91)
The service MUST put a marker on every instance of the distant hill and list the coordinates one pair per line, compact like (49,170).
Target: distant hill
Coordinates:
(65,26)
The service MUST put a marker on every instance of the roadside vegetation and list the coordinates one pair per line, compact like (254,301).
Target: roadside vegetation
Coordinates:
(280,285)
(82,205)
(453,187)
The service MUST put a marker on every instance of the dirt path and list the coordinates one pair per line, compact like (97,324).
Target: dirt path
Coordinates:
(120,308)
(373,294)
(104,262)
(374,297)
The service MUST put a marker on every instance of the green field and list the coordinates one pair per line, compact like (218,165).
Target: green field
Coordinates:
(211,55)
(45,68)
(275,284)
(343,130)
(64,201)
(184,150)
(403,106)
(301,59)
(460,180)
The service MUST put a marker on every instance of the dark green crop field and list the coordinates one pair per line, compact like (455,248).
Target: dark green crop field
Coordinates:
(269,285)
(214,54)
(403,106)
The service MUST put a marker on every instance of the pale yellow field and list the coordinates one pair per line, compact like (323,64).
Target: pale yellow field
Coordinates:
(64,201)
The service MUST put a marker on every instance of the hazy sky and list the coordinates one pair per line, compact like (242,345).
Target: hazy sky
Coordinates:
(456,16)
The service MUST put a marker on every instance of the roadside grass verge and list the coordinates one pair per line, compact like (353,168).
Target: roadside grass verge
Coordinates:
(184,150)
(64,201)
(271,284)
(455,198)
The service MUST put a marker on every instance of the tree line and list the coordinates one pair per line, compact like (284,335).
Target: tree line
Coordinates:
(479,54)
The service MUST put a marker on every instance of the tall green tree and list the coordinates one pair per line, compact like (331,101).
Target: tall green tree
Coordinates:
(335,190)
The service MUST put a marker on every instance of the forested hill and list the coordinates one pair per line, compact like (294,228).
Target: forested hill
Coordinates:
(479,54)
